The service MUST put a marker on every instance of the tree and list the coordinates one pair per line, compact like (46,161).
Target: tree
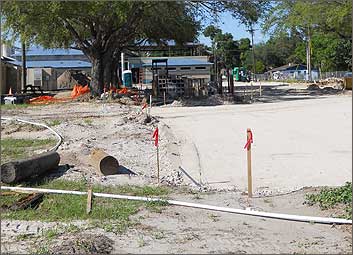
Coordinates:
(100,29)
(321,15)
(229,52)
(320,27)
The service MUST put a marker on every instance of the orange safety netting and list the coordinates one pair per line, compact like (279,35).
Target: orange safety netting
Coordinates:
(76,91)
(79,90)
(45,100)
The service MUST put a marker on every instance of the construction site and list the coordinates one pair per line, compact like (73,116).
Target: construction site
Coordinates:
(169,149)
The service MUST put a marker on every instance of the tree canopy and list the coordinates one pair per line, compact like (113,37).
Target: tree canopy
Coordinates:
(102,29)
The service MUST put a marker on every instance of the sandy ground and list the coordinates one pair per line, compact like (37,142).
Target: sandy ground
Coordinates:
(117,129)
(297,143)
(188,230)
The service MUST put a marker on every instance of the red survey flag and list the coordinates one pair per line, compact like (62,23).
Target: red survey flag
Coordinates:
(155,136)
(144,106)
(249,141)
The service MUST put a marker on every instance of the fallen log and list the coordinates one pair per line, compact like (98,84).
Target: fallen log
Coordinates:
(16,171)
(104,163)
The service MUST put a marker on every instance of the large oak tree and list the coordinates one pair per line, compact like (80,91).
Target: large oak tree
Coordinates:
(102,29)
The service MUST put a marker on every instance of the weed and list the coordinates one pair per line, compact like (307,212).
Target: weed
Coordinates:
(71,229)
(15,149)
(156,206)
(88,122)
(42,249)
(213,217)
(50,234)
(141,241)
(197,196)
(159,235)
(23,237)
(330,197)
(52,123)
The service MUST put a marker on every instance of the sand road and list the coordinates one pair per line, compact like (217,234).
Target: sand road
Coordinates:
(296,143)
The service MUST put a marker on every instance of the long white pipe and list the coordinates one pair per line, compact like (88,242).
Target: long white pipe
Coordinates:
(42,125)
(194,205)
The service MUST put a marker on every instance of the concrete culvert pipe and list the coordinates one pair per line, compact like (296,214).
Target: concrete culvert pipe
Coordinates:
(16,171)
(103,162)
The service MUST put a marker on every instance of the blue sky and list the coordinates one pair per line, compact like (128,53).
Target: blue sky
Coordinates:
(231,25)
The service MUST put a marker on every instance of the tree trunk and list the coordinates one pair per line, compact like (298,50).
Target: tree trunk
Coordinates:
(228,81)
(232,83)
(102,72)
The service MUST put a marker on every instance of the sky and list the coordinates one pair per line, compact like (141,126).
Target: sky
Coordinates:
(231,25)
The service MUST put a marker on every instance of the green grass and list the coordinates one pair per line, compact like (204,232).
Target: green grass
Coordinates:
(88,121)
(14,149)
(52,123)
(331,197)
(111,214)
(14,106)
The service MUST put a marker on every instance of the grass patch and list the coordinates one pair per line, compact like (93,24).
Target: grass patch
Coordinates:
(14,149)
(88,121)
(14,106)
(110,214)
(52,123)
(331,197)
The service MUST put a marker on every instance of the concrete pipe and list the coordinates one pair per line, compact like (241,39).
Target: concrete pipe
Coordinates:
(104,163)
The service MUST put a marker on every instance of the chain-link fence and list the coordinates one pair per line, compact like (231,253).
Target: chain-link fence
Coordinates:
(297,76)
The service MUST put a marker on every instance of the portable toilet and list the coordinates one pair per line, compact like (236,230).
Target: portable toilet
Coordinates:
(236,73)
(127,78)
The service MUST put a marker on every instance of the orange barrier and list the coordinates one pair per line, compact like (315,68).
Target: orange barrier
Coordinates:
(46,100)
(79,90)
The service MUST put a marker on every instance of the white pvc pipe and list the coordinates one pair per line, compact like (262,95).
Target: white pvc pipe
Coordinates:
(42,125)
(280,216)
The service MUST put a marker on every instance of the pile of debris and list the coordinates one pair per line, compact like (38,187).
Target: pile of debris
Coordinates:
(207,101)
(336,83)
(69,78)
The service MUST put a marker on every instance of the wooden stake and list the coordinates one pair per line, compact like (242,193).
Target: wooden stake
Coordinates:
(89,200)
(158,163)
(249,164)
(260,89)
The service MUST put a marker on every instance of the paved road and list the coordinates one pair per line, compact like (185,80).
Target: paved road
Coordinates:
(296,143)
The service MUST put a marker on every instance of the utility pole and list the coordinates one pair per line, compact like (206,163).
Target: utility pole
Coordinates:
(252,30)
(308,55)
(24,68)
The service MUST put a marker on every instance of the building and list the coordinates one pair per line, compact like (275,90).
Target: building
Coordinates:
(194,67)
(292,72)
(10,76)
(44,66)
(175,76)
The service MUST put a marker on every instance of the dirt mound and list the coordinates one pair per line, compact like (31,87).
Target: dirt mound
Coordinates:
(69,78)
(82,244)
(83,98)
(209,101)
